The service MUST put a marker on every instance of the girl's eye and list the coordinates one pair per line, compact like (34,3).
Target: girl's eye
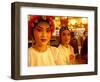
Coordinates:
(48,30)
(63,34)
(68,34)
(39,30)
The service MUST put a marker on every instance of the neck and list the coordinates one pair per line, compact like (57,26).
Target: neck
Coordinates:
(39,48)
(66,45)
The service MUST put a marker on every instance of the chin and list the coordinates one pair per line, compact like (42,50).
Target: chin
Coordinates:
(44,44)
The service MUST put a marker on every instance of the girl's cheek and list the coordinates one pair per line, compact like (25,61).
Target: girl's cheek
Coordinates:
(38,32)
(63,38)
(49,35)
(69,38)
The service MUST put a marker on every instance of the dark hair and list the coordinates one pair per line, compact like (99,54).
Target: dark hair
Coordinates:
(84,49)
(72,34)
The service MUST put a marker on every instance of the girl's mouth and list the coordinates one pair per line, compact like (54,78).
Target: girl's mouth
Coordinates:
(43,40)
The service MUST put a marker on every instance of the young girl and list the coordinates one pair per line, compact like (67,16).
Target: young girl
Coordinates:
(66,51)
(42,54)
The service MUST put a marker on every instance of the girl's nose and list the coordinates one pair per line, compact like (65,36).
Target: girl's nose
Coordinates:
(66,36)
(44,33)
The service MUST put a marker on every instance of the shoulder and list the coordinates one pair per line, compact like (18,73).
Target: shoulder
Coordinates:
(70,46)
(72,49)
(60,46)
(30,49)
(52,47)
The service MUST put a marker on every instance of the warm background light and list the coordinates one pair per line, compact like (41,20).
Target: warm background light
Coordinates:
(84,20)
(73,21)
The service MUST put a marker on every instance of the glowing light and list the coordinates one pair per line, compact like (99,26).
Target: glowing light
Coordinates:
(73,21)
(84,20)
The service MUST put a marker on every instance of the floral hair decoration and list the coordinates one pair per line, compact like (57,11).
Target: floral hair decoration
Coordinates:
(33,20)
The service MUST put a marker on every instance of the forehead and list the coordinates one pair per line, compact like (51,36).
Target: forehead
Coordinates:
(42,24)
(65,31)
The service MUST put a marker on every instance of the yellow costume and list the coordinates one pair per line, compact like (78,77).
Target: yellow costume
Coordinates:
(65,53)
(46,58)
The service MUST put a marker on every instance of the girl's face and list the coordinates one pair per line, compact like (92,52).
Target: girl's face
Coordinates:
(65,37)
(42,34)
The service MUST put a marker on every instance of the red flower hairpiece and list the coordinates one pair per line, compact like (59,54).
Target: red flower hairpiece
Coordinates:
(35,19)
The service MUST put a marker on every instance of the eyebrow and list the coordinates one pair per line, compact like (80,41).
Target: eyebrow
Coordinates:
(39,26)
(42,27)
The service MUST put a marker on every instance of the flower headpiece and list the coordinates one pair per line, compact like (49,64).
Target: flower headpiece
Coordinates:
(63,28)
(34,20)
